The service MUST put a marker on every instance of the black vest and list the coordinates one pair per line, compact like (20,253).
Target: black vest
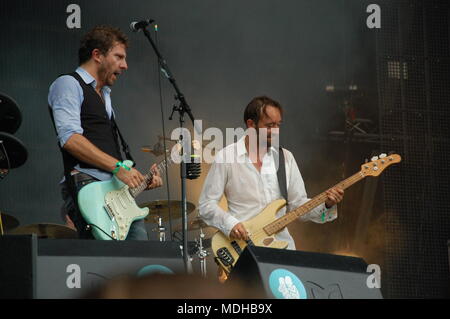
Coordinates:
(97,127)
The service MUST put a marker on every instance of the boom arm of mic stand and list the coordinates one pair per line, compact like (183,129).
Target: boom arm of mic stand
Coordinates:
(166,71)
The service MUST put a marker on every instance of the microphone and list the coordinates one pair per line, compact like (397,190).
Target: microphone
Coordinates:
(136,26)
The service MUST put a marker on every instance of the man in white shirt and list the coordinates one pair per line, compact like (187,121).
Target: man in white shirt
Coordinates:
(243,174)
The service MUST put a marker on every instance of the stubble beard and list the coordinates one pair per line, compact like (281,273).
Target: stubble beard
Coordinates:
(105,75)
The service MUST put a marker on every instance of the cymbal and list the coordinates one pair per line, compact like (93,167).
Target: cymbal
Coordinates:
(195,224)
(195,143)
(8,222)
(160,137)
(160,208)
(46,231)
(157,149)
(16,153)
(146,149)
(10,115)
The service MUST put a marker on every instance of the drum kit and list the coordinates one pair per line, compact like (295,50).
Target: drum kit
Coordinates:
(12,151)
(161,211)
(13,154)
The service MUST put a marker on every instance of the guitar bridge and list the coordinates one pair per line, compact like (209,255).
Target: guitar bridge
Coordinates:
(225,256)
(109,211)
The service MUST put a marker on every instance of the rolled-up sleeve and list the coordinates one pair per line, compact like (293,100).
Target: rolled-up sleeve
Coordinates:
(297,196)
(65,98)
(213,190)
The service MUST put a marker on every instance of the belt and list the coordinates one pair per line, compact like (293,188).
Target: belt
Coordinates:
(81,177)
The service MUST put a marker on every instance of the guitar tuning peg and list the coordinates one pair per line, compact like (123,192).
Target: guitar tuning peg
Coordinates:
(366,160)
(374,159)
(383,155)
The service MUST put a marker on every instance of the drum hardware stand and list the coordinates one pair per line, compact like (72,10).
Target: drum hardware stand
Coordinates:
(202,253)
(1,224)
(161,229)
(189,257)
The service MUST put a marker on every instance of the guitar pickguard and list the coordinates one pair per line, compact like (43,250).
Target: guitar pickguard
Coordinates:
(124,209)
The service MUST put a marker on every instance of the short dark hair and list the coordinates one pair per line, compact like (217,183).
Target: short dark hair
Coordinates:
(101,37)
(257,107)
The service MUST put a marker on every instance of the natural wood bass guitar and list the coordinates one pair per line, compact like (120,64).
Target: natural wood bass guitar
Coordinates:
(263,227)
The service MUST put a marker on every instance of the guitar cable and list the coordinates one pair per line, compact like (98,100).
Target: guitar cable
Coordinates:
(90,225)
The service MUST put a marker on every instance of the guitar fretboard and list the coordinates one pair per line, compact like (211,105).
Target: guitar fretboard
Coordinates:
(283,221)
(149,176)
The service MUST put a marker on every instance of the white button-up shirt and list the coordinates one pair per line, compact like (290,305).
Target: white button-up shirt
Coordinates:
(249,191)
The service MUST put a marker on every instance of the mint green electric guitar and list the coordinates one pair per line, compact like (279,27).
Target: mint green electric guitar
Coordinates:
(109,207)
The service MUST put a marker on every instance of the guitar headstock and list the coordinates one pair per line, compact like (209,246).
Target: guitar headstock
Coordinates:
(379,163)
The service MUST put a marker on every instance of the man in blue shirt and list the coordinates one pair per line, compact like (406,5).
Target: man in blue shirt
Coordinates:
(83,116)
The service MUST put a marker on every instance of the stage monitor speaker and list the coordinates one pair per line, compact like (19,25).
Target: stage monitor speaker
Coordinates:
(70,268)
(290,274)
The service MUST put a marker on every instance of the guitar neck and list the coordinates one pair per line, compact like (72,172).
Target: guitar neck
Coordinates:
(149,176)
(283,221)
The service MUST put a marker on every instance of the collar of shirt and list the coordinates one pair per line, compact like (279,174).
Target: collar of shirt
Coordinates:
(89,79)
(242,150)
(106,90)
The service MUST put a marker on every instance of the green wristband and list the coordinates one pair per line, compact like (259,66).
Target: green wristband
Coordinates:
(118,166)
(124,166)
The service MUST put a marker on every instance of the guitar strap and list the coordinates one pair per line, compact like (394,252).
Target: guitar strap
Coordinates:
(281,174)
(125,147)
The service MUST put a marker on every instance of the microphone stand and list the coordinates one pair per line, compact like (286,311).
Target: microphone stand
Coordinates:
(182,108)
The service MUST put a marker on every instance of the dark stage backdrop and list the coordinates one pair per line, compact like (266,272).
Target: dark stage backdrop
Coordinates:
(414,77)
(222,54)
